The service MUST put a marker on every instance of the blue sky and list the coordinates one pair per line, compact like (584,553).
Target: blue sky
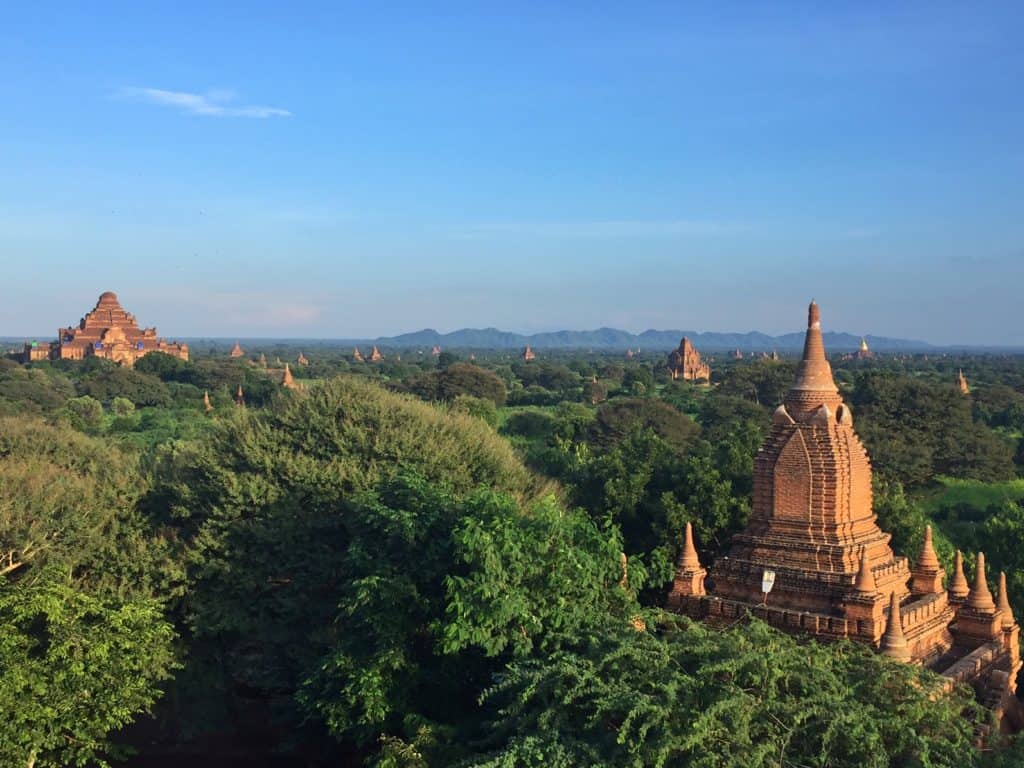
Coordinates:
(340,170)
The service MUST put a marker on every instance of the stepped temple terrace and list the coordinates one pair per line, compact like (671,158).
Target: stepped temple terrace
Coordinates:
(108,332)
(685,363)
(813,560)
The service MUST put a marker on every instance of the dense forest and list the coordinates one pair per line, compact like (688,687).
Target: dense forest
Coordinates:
(458,560)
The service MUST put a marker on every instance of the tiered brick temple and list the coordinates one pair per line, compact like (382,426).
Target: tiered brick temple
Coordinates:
(528,354)
(685,363)
(835,575)
(111,333)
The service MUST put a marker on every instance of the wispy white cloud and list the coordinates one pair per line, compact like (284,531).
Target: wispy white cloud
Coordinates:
(216,103)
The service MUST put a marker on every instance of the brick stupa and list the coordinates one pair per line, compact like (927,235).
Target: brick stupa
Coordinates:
(685,363)
(961,383)
(835,575)
(112,333)
(528,354)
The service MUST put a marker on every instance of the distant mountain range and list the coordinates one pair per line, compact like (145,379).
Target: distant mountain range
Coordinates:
(600,339)
(612,338)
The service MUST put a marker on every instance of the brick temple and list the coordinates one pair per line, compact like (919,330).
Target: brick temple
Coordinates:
(685,363)
(108,332)
(813,531)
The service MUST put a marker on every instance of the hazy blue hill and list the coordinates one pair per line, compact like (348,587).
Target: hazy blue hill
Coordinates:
(599,339)
(612,338)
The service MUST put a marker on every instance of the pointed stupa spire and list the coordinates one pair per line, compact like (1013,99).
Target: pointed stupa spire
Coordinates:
(928,572)
(928,559)
(287,380)
(865,576)
(961,382)
(239,396)
(958,588)
(207,405)
(689,580)
(689,560)
(1004,603)
(814,372)
(894,644)
(980,598)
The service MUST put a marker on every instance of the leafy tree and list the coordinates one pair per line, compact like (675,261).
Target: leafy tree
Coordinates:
(746,696)
(86,413)
(764,383)
(163,366)
(75,668)
(479,407)
(122,406)
(638,380)
(141,388)
(477,581)
(39,389)
(546,375)
(260,507)
(446,358)
(915,431)
(459,379)
(619,418)
(83,642)
(649,490)
(595,392)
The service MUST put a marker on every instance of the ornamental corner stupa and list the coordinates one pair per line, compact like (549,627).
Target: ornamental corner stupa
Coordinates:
(813,560)
(685,363)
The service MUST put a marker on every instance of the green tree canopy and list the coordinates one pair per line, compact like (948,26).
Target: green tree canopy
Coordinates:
(743,697)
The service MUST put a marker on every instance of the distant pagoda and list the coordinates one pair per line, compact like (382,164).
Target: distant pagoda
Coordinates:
(236,351)
(528,354)
(288,380)
(375,355)
(813,560)
(111,333)
(685,363)
(961,383)
(864,351)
